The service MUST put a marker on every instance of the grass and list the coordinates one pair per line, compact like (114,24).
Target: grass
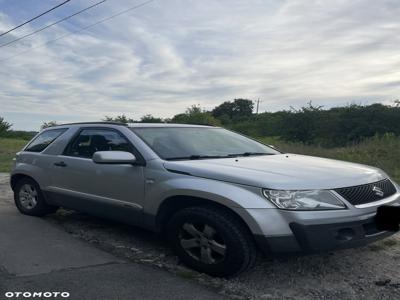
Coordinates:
(8,148)
(382,152)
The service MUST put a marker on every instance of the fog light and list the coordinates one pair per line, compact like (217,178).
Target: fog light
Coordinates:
(345,234)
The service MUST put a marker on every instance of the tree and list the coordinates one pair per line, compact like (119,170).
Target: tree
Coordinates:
(4,126)
(48,124)
(239,108)
(196,115)
(224,109)
(242,108)
(119,119)
(150,119)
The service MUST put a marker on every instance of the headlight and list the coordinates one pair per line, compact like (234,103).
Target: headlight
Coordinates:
(304,200)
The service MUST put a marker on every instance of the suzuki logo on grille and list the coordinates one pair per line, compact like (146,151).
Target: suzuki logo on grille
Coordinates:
(378,191)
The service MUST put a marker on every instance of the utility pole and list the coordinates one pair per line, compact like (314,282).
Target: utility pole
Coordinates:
(258,105)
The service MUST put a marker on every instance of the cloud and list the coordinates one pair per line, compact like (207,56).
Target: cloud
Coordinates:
(168,55)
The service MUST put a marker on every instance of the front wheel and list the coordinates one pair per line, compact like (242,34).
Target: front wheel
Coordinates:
(29,199)
(212,241)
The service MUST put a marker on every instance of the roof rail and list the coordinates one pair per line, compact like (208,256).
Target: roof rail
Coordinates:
(86,123)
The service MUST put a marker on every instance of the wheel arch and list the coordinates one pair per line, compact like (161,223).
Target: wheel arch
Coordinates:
(173,204)
(17,177)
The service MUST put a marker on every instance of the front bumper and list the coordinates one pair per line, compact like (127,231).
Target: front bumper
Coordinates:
(323,237)
(284,231)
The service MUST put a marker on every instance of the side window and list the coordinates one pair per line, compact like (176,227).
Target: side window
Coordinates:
(43,140)
(90,141)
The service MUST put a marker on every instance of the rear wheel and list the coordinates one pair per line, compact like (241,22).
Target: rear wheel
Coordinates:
(29,199)
(212,241)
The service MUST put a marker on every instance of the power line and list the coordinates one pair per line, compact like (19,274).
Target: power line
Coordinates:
(52,24)
(34,18)
(80,29)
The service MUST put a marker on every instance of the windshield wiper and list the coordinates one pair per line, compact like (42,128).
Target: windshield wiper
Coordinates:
(249,154)
(195,156)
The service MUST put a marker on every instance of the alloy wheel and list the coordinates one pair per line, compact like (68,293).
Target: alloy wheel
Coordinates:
(202,242)
(28,196)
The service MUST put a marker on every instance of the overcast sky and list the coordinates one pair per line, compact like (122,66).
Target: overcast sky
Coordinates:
(170,54)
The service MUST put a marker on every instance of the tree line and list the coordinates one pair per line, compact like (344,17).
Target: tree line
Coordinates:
(310,124)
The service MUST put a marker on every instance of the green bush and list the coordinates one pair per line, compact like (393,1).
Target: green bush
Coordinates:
(379,151)
(8,148)
(24,135)
(313,125)
(195,115)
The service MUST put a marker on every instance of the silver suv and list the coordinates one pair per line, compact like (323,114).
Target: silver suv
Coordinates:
(218,196)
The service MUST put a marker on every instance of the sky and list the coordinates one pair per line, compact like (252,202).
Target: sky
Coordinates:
(170,54)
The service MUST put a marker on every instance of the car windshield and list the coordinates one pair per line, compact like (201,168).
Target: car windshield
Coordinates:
(180,143)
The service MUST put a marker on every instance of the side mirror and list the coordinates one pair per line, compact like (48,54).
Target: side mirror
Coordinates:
(114,157)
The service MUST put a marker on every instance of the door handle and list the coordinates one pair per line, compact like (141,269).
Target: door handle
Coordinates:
(60,164)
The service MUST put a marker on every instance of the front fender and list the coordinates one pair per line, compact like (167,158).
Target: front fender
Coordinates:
(228,194)
(236,197)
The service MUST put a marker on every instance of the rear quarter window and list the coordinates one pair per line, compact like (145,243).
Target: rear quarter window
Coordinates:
(43,140)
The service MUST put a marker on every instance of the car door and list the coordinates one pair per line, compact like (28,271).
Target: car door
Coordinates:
(112,190)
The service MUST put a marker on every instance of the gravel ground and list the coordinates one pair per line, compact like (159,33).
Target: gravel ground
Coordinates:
(369,272)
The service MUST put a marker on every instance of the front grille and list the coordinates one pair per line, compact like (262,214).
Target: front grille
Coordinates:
(362,194)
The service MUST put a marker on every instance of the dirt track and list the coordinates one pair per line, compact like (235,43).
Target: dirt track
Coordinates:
(371,272)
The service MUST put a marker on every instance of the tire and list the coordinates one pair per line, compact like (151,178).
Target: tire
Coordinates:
(212,241)
(29,199)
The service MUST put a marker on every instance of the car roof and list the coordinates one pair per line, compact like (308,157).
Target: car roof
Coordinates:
(132,125)
(141,125)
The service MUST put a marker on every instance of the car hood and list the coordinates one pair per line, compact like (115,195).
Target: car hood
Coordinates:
(282,171)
